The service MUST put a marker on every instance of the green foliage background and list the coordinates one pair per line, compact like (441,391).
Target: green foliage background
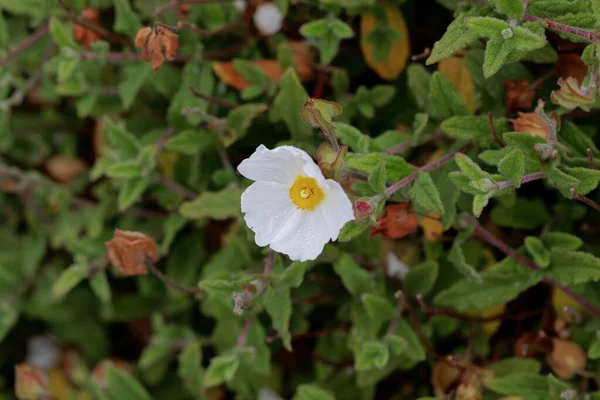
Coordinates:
(335,327)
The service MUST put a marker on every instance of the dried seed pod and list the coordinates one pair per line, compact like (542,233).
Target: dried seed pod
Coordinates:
(566,358)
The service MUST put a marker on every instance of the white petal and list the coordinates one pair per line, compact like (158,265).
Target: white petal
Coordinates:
(336,209)
(282,164)
(305,239)
(268,208)
(268,18)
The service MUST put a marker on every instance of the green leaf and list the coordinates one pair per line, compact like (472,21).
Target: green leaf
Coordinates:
(424,193)
(372,355)
(68,279)
(126,21)
(487,26)
(355,139)
(512,8)
(421,278)
(457,258)
(378,178)
(191,141)
(524,142)
(135,76)
(588,179)
(221,369)
(414,349)
(476,128)
(419,82)
(288,105)
(293,275)
(278,303)
(124,169)
(101,287)
(526,385)
(509,366)
(526,40)
(311,392)
(190,366)
(526,214)
(396,344)
(378,307)
(457,37)
(316,28)
(479,203)
(496,54)
(446,102)
(131,191)
(562,240)
(381,95)
(199,76)
(9,315)
(470,167)
(61,34)
(396,167)
(539,252)
(585,20)
(352,230)
(355,279)
(512,166)
(240,118)
(573,267)
(594,350)
(123,386)
(500,284)
(121,139)
(558,389)
(216,205)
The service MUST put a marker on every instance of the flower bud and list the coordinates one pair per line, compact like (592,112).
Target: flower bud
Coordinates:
(364,207)
(268,19)
(331,162)
(507,33)
(571,95)
(30,382)
(531,123)
(243,299)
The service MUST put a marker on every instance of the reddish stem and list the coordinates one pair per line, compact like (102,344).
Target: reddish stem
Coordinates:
(493,130)
(591,162)
(32,39)
(582,33)
(408,144)
(585,200)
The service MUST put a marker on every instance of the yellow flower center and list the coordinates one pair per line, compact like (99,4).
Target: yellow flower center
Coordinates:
(306,193)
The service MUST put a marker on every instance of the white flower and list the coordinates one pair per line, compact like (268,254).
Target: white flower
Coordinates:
(268,394)
(268,19)
(291,206)
(42,352)
(240,5)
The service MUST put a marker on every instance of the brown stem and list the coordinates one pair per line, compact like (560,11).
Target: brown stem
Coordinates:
(590,157)
(585,200)
(426,168)
(32,39)
(243,336)
(415,321)
(488,237)
(176,187)
(171,283)
(94,27)
(408,144)
(399,310)
(426,52)
(269,261)
(527,178)
(214,100)
(451,313)
(493,130)
(582,33)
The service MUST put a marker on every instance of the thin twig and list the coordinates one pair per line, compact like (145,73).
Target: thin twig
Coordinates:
(94,27)
(426,52)
(526,178)
(269,261)
(493,130)
(426,168)
(176,187)
(18,95)
(214,100)
(225,159)
(243,336)
(171,283)
(408,143)
(456,315)
(399,310)
(159,11)
(591,162)
(582,33)
(32,39)
(418,328)
(488,237)
(585,200)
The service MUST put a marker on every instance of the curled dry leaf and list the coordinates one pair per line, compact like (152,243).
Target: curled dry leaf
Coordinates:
(30,382)
(432,227)
(519,95)
(158,44)
(571,95)
(128,251)
(566,358)
(227,73)
(64,168)
(399,52)
(81,34)
(470,386)
(443,376)
(530,123)
(455,70)
(397,221)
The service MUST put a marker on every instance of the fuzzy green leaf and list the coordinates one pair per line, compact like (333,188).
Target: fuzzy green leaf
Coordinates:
(372,355)
(426,195)
(279,307)
(539,252)
(573,267)
(512,166)
(421,278)
(221,369)
(289,102)
(378,178)
(122,386)
(217,205)
(512,8)
(355,279)
(457,37)
(377,306)
(476,128)
(446,101)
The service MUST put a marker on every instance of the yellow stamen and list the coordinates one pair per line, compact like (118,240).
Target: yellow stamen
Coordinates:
(306,193)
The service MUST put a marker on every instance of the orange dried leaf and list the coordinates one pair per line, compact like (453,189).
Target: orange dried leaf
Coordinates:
(83,35)
(566,358)
(157,45)
(128,251)
(304,59)
(227,73)
(455,70)
(397,222)
(530,123)
(64,168)
(399,52)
